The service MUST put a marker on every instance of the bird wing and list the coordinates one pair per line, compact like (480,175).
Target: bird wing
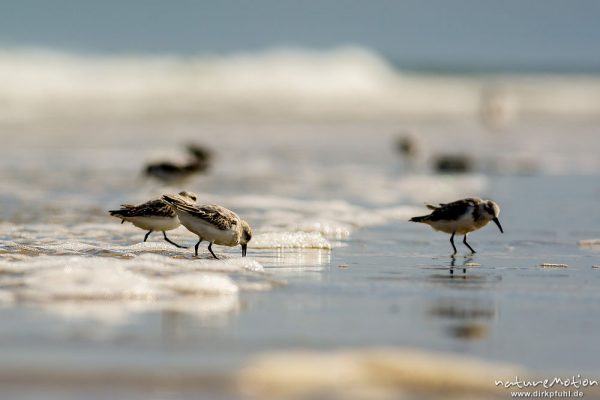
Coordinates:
(156,208)
(452,211)
(162,166)
(216,215)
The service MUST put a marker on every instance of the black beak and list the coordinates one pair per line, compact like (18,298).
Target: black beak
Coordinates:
(244,246)
(498,223)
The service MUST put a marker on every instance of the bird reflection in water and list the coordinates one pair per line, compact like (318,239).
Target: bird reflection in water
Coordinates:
(465,264)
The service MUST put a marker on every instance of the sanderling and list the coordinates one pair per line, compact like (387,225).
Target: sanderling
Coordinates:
(167,171)
(462,216)
(211,222)
(170,172)
(154,215)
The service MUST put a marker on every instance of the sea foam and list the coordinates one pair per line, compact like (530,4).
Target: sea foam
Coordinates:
(346,82)
(112,288)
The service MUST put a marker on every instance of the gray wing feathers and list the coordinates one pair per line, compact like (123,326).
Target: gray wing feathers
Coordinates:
(451,211)
(215,215)
(155,208)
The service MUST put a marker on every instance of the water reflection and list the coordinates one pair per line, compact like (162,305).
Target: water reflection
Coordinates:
(307,259)
(453,264)
(469,275)
(465,318)
(469,331)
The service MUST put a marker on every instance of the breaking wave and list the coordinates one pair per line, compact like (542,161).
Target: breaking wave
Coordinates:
(346,82)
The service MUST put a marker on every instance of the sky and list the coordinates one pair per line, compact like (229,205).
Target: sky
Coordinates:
(551,35)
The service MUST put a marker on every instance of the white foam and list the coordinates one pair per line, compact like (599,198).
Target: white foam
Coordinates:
(111,288)
(212,284)
(159,265)
(86,279)
(289,240)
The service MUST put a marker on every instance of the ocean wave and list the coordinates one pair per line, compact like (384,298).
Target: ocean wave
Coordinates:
(347,82)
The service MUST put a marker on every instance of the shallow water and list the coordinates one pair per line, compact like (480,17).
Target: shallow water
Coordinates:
(334,266)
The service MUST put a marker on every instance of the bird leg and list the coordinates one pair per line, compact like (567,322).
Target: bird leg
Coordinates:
(196,246)
(452,243)
(467,244)
(147,234)
(211,252)
(173,243)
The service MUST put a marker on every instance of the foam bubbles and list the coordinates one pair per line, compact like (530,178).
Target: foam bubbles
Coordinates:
(109,288)
(85,279)
(207,284)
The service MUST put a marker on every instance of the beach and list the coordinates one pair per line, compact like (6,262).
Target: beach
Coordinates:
(335,273)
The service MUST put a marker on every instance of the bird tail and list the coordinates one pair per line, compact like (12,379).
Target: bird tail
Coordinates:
(418,219)
(124,211)
(119,214)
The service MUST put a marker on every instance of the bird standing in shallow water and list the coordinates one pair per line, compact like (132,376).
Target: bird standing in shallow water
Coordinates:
(461,217)
(211,222)
(153,215)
